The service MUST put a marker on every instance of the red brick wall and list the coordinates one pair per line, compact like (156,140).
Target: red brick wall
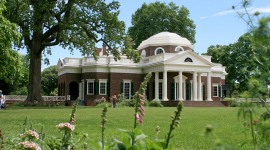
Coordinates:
(66,79)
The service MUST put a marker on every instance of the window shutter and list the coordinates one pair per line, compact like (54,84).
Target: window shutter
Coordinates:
(219,91)
(96,88)
(172,91)
(121,87)
(132,88)
(85,88)
(204,96)
(108,88)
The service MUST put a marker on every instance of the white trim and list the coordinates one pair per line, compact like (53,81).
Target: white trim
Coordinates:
(179,49)
(163,51)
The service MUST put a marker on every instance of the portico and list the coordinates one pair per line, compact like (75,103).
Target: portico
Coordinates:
(180,89)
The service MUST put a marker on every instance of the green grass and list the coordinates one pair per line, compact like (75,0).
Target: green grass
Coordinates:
(189,135)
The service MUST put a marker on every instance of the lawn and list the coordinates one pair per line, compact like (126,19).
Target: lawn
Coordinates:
(189,135)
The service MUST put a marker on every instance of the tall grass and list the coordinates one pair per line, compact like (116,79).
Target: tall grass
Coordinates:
(189,135)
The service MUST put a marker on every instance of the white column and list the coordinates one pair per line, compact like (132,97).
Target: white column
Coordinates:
(156,86)
(220,92)
(180,86)
(195,86)
(209,87)
(164,86)
(199,87)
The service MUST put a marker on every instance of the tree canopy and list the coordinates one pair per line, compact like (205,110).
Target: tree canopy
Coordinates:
(260,38)
(76,25)
(238,59)
(9,59)
(157,17)
(49,80)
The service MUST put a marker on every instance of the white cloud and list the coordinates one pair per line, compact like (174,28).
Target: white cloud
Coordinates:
(203,17)
(251,10)
(261,10)
(224,13)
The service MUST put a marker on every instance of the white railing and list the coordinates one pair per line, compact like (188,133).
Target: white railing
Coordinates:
(251,100)
(23,97)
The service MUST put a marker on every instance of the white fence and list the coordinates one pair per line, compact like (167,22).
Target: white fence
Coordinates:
(46,98)
(256,100)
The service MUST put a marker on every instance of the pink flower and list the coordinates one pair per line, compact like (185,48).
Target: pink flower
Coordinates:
(66,126)
(30,145)
(139,118)
(142,108)
(30,134)
(142,102)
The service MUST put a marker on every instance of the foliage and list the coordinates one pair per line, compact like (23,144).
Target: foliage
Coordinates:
(48,23)
(155,103)
(11,67)
(260,37)
(239,61)
(49,80)
(157,17)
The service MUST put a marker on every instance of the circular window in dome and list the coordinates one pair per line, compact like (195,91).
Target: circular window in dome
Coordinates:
(159,50)
(179,49)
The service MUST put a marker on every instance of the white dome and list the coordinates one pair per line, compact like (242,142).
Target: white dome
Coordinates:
(165,38)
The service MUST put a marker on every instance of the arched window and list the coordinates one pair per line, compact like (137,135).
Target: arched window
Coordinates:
(188,59)
(143,54)
(159,50)
(179,49)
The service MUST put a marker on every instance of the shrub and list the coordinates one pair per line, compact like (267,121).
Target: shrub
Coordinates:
(155,103)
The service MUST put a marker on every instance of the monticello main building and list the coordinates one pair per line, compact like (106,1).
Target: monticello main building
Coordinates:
(178,73)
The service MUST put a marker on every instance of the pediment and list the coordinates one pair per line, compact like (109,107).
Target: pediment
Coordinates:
(188,58)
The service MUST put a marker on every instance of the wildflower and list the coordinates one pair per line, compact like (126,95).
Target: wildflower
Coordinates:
(29,145)
(139,118)
(157,130)
(30,134)
(66,126)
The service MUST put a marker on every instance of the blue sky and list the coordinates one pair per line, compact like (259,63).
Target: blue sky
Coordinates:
(216,23)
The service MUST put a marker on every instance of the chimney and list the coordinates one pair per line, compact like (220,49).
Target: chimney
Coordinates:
(104,49)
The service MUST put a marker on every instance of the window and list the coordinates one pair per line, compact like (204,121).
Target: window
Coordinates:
(127,89)
(179,49)
(102,87)
(215,90)
(159,50)
(188,59)
(90,87)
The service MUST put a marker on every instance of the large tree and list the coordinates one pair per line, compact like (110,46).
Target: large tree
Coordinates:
(72,24)
(10,65)
(259,26)
(157,17)
(239,61)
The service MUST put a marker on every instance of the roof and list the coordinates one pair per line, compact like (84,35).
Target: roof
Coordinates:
(165,38)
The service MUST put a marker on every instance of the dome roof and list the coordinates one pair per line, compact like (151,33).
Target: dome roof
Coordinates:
(165,38)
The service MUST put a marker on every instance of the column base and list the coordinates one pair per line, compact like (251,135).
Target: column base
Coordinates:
(165,99)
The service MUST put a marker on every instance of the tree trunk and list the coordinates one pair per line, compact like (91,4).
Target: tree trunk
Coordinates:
(34,87)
